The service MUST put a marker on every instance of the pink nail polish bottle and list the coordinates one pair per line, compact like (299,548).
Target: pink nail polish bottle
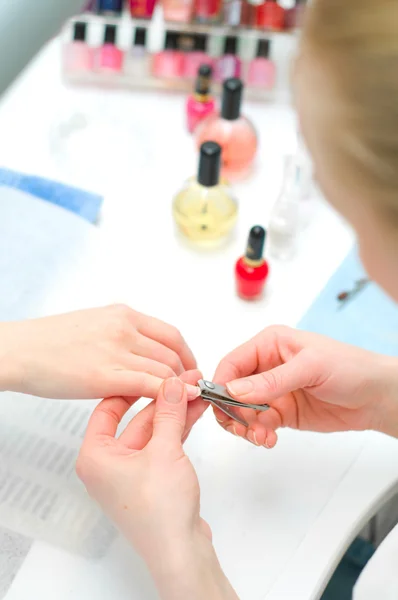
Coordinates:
(110,57)
(262,71)
(228,65)
(196,58)
(233,132)
(177,11)
(78,56)
(169,64)
(200,104)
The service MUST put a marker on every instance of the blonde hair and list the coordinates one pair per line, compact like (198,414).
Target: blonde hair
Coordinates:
(356,43)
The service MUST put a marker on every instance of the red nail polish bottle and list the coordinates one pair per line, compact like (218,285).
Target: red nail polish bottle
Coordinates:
(270,15)
(251,270)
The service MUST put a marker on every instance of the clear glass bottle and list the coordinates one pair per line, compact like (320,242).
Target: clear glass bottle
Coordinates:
(205,210)
(285,220)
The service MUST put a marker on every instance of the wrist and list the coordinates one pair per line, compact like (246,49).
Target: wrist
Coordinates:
(10,371)
(190,570)
(387,421)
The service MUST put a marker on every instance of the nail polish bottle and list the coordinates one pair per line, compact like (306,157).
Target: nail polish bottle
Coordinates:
(251,270)
(294,16)
(169,63)
(207,11)
(110,57)
(228,65)
(204,210)
(262,72)
(91,6)
(235,133)
(137,61)
(78,57)
(177,11)
(270,15)
(237,12)
(197,57)
(200,104)
(110,7)
(142,9)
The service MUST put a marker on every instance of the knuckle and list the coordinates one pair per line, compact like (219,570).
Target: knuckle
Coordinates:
(174,363)
(168,372)
(162,371)
(177,338)
(271,382)
(166,416)
(122,310)
(278,330)
(119,330)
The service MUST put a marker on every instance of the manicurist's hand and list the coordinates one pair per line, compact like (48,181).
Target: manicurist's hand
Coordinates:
(148,487)
(311,382)
(91,354)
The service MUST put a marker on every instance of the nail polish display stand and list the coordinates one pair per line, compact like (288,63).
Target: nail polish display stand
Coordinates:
(283,45)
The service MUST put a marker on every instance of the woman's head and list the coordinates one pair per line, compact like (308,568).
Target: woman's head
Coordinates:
(346,91)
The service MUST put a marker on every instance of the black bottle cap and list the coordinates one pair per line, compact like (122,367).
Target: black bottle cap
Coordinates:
(231,99)
(230,45)
(110,34)
(203,80)
(255,244)
(209,164)
(79,32)
(263,48)
(171,42)
(200,42)
(140,36)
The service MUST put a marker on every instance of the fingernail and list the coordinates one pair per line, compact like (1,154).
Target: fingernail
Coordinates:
(173,390)
(220,420)
(240,387)
(251,436)
(231,429)
(193,391)
(266,445)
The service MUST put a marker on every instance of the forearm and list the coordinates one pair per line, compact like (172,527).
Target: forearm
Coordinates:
(194,573)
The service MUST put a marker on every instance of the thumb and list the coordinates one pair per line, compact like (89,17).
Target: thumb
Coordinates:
(170,414)
(270,385)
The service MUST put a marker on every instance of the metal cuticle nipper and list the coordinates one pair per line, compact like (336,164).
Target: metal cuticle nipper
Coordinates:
(219,396)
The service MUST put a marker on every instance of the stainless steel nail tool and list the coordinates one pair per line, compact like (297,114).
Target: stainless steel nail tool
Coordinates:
(219,396)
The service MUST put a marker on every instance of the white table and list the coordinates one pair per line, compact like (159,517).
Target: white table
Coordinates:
(288,514)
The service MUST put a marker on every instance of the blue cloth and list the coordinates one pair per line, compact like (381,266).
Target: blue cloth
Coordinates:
(369,320)
(80,202)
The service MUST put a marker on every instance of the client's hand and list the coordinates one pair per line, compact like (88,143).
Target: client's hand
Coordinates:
(311,382)
(146,484)
(91,354)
